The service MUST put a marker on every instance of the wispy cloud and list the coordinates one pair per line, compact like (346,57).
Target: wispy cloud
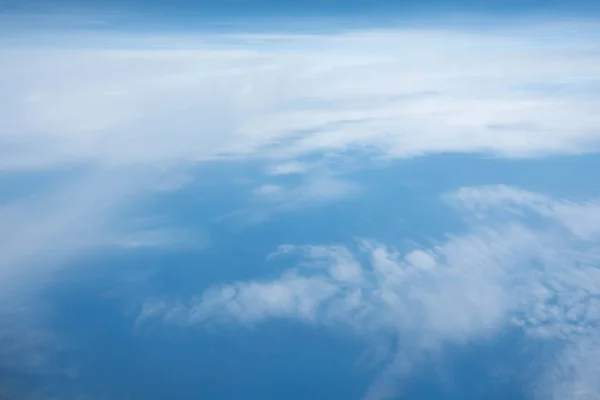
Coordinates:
(582,219)
(521,94)
(289,168)
(501,274)
(125,105)
(39,235)
(43,234)
(315,189)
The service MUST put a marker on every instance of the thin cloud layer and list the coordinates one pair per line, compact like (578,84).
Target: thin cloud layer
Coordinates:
(582,219)
(504,273)
(317,189)
(511,92)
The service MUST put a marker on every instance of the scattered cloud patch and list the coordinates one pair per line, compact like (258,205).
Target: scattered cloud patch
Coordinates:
(323,189)
(311,191)
(582,219)
(499,275)
(289,168)
(268,191)
(159,238)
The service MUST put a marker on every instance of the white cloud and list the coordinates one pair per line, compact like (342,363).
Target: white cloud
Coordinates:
(501,274)
(163,238)
(582,219)
(313,190)
(289,168)
(43,233)
(401,93)
(268,191)
(38,235)
(522,92)
(322,189)
(420,259)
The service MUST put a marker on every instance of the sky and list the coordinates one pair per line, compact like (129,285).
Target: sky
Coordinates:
(299,200)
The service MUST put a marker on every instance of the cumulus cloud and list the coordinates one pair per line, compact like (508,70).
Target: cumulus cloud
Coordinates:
(500,275)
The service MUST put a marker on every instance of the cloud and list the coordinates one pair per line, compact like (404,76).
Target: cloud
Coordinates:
(521,94)
(314,190)
(289,168)
(501,274)
(38,236)
(50,229)
(162,238)
(582,219)
(269,191)
(123,109)
(318,189)
(163,103)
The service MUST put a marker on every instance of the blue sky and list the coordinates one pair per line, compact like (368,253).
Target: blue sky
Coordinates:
(270,15)
(299,200)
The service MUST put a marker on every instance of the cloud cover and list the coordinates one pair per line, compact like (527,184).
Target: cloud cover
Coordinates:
(517,92)
(501,274)
(127,108)
(150,104)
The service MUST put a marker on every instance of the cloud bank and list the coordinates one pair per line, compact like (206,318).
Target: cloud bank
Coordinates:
(514,92)
(503,273)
